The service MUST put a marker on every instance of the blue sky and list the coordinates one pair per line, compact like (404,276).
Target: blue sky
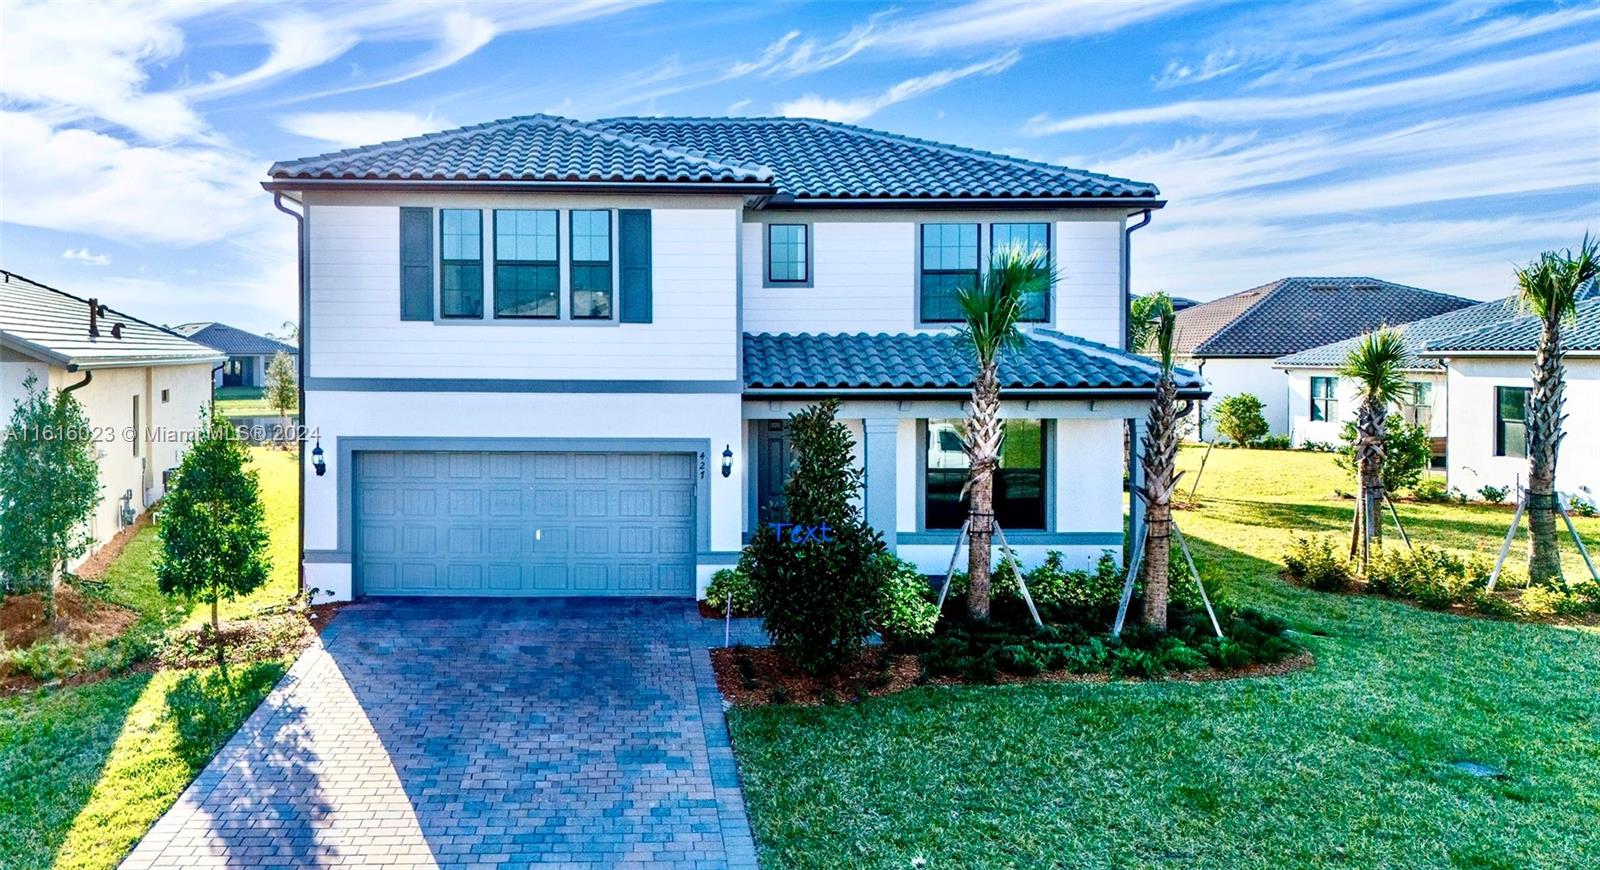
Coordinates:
(1431,144)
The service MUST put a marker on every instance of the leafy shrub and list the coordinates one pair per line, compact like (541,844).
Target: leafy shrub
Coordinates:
(1492,494)
(1319,447)
(818,597)
(1492,605)
(906,610)
(1240,419)
(1583,507)
(1317,565)
(731,583)
(1142,664)
(1273,442)
(1431,489)
(1407,453)
(1434,578)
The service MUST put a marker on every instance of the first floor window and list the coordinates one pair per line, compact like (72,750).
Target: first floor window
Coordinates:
(1027,238)
(591,264)
(788,260)
(949,258)
(460,262)
(527,271)
(1324,406)
(1418,409)
(1019,482)
(1511,421)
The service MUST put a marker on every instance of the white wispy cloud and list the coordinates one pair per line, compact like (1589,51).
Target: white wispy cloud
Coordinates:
(84,255)
(1536,73)
(347,129)
(856,109)
(298,41)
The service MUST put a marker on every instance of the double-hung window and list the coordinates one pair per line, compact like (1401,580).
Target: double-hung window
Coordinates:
(1019,482)
(1324,404)
(1511,421)
(591,264)
(1026,238)
(949,260)
(1418,411)
(788,254)
(461,263)
(527,268)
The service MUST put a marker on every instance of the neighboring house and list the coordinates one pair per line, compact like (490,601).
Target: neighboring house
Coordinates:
(140,385)
(1321,402)
(552,357)
(248,353)
(1233,341)
(1489,375)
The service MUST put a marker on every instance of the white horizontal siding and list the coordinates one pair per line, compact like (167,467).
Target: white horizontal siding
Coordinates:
(1089,289)
(355,328)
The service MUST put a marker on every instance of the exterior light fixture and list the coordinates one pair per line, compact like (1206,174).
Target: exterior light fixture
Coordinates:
(317,461)
(727,461)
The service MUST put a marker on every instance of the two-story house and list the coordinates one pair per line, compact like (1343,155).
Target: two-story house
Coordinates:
(552,357)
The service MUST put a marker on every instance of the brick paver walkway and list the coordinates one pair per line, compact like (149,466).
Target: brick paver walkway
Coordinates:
(472,732)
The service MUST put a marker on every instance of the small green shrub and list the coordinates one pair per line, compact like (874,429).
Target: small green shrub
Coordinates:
(731,583)
(906,611)
(1493,606)
(1431,489)
(1583,507)
(1319,447)
(1539,601)
(1407,453)
(1138,663)
(1492,494)
(1317,565)
(1240,419)
(1432,577)
(1273,442)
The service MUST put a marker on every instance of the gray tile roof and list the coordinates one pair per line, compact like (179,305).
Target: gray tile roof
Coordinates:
(1520,335)
(1414,335)
(1294,314)
(51,325)
(788,158)
(233,341)
(1048,360)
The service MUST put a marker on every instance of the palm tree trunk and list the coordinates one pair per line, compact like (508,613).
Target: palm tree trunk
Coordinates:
(983,448)
(1160,460)
(1544,440)
(1369,453)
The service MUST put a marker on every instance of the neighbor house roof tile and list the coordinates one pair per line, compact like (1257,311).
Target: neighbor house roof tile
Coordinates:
(1520,335)
(233,341)
(52,325)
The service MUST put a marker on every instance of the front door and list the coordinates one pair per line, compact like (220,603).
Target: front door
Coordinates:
(774,459)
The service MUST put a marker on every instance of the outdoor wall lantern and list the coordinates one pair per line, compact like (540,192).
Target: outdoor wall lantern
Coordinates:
(727,460)
(316,459)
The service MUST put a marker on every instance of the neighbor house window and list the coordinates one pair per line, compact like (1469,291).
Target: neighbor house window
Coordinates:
(527,271)
(460,262)
(788,254)
(1323,404)
(1418,407)
(949,255)
(591,264)
(166,396)
(1019,482)
(1028,237)
(1511,421)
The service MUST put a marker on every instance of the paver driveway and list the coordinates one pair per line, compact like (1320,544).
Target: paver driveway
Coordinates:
(474,732)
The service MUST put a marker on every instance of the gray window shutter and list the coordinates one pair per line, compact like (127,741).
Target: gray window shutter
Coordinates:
(633,254)
(416,264)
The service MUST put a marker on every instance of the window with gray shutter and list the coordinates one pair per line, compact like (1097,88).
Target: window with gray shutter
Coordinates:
(633,255)
(416,264)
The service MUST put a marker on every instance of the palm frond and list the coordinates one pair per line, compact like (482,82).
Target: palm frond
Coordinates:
(1548,286)
(1163,327)
(993,305)
(1374,364)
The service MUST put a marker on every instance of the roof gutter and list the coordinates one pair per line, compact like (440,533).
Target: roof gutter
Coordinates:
(279,185)
(1021,202)
(300,386)
(959,393)
(71,363)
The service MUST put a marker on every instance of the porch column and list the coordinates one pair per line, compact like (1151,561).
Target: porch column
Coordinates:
(1135,482)
(879,461)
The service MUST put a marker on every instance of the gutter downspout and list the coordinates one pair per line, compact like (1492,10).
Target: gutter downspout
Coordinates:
(87,377)
(1135,472)
(300,389)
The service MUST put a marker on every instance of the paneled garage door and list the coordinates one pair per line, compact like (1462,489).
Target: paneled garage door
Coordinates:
(451,523)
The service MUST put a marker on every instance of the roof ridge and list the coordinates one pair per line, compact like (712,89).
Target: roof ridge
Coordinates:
(408,141)
(721,162)
(10,275)
(1275,287)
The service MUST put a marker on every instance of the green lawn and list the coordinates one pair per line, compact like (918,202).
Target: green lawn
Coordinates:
(1348,764)
(244,402)
(86,770)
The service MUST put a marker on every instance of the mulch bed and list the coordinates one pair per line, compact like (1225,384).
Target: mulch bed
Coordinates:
(758,676)
(79,617)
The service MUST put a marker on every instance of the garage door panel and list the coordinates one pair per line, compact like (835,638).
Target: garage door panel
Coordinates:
(525,523)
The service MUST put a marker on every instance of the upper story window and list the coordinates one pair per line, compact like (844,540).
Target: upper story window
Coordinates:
(591,264)
(1511,421)
(1324,405)
(460,262)
(788,254)
(1028,237)
(949,261)
(527,268)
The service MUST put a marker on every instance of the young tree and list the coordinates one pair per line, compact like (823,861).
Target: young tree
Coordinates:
(213,526)
(282,391)
(1240,419)
(1374,364)
(992,308)
(1548,287)
(1144,314)
(1160,473)
(1407,453)
(49,485)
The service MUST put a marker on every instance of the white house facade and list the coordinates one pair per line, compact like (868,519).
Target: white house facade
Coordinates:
(142,388)
(551,357)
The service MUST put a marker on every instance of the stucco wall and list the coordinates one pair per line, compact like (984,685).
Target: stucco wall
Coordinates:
(1472,462)
(1302,428)
(1228,377)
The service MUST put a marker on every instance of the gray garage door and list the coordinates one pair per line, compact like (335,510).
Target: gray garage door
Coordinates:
(525,523)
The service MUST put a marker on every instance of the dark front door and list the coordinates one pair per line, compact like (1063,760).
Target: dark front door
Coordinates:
(233,372)
(774,458)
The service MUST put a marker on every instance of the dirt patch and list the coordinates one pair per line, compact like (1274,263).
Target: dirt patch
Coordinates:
(96,566)
(757,676)
(79,618)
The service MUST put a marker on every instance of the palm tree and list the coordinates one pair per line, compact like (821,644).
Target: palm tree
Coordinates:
(1144,315)
(992,307)
(1160,460)
(1374,364)
(1548,287)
